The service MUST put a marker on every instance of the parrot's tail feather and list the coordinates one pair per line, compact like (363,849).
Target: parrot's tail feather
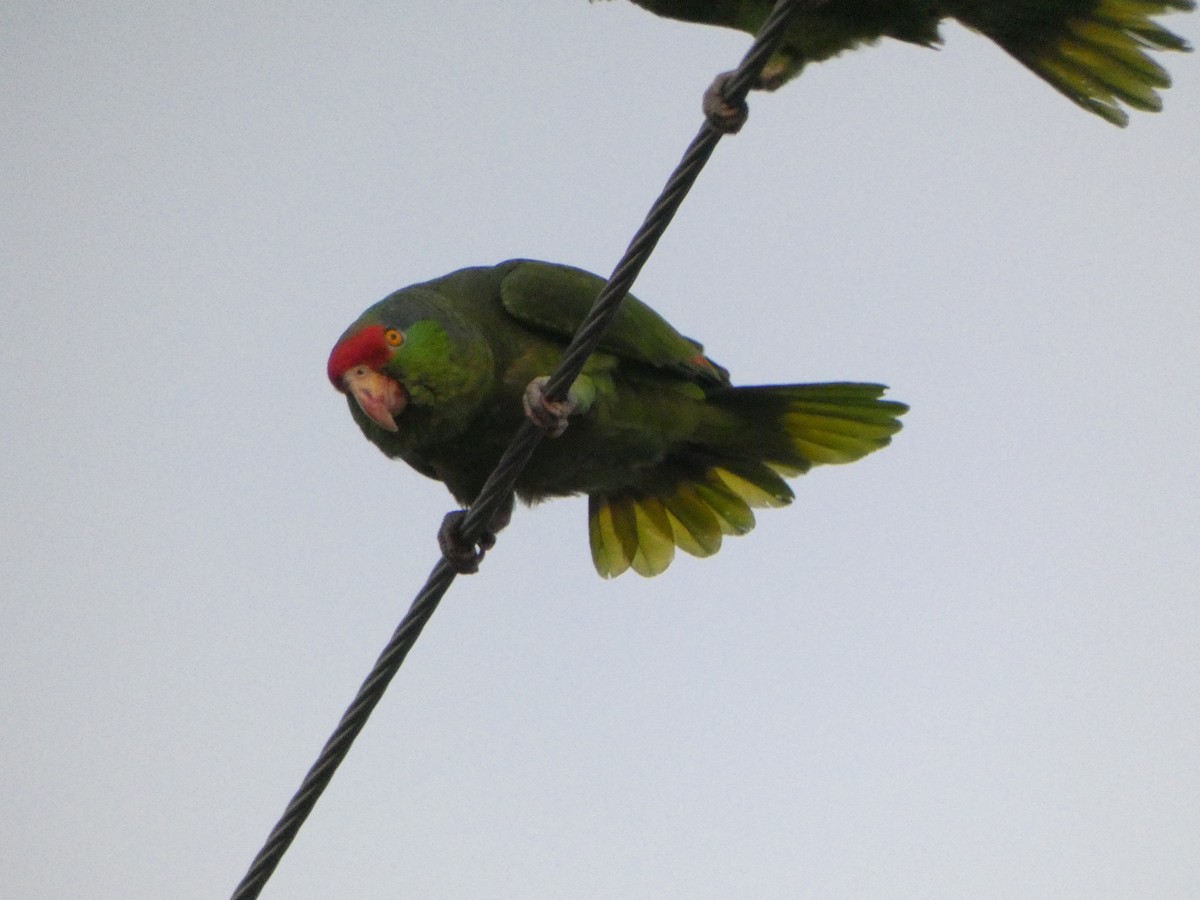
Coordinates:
(1098,59)
(756,436)
(795,427)
(691,508)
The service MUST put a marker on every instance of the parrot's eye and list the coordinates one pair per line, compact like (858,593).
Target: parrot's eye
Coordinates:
(394,337)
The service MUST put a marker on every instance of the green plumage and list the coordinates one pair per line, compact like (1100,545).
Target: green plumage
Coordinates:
(670,454)
(1092,51)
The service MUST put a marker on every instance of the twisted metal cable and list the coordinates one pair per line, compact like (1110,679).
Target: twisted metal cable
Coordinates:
(498,489)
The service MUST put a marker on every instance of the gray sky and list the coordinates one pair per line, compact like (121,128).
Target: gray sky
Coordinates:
(968,666)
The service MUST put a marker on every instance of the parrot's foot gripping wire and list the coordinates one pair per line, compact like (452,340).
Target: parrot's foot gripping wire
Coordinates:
(496,496)
(462,555)
(724,116)
(549,415)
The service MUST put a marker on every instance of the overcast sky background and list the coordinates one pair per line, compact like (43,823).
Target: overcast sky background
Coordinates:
(967,666)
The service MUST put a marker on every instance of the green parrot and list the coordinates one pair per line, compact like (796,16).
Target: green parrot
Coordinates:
(669,453)
(1092,51)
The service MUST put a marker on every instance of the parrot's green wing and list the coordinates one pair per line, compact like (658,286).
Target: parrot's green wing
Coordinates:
(747,440)
(555,299)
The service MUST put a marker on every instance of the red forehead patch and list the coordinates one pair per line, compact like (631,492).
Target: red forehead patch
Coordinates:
(365,347)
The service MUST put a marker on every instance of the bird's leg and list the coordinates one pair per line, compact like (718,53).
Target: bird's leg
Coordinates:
(549,415)
(773,75)
(464,557)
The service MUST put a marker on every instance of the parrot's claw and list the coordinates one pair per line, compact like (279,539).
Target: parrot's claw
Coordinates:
(463,557)
(722,115)
(549,415)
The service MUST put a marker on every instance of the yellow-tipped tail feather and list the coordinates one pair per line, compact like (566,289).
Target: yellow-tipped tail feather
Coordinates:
(1098,59)
(692,500)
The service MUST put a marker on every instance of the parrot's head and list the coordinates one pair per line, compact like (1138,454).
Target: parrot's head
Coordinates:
(411,360)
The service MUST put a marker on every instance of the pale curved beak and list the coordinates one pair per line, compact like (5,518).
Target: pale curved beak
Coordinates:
(380,397)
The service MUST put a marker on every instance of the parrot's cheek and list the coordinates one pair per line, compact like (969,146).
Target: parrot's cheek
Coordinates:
(379,397)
